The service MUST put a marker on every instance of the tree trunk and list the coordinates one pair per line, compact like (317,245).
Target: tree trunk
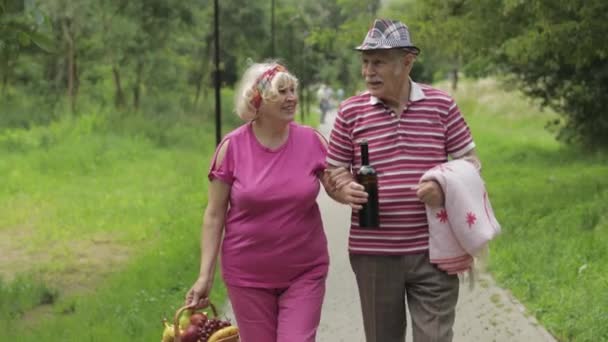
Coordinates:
(199,86)
(454,73)
(203,70)
(119,95)
(137,86)
(70,62)
(4,82)
(301,96)
(307,101)
(5,69)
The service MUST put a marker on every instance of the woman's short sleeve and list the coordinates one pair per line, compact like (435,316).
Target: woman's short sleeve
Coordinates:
(222,169)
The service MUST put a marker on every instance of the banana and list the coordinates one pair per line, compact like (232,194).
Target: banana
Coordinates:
(168,332)
(223,333)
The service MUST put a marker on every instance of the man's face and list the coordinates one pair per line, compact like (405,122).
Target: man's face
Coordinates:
(385,72)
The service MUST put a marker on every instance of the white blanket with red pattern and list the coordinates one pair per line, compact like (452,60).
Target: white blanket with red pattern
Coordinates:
(461,229)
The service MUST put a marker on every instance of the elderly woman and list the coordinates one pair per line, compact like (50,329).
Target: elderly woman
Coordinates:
(263,184)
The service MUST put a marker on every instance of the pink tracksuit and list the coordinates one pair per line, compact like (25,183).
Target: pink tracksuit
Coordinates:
(274,256)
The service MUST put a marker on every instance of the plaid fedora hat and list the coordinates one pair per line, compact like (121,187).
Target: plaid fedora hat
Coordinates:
(387,34)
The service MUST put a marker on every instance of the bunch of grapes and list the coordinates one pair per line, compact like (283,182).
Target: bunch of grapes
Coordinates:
(211,325)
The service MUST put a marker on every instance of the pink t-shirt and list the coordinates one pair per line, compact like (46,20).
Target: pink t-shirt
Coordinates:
(274,232)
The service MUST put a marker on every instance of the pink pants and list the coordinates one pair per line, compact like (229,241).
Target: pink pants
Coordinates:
(289,314)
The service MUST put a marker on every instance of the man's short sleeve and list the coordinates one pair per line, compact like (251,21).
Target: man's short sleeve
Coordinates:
(340,151)
(458,135)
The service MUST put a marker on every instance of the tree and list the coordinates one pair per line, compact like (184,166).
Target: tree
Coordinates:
(553,50)
(20,25)
(562,58)
(439,28)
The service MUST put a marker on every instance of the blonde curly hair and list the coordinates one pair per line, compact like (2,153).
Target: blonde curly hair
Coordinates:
(248,88)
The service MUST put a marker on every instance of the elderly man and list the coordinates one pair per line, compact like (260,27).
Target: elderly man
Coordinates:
(410,128)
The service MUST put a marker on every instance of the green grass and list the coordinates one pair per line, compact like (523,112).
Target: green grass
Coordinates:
(551,202)
(102,225)
(311,119)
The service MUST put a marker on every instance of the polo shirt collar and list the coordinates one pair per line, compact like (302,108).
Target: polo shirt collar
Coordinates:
(416,94)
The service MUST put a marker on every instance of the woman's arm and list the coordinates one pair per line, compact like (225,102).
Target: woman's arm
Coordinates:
(213,226)
(340,184)
(211,236)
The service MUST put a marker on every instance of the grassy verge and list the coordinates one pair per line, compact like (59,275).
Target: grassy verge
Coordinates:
(311,119)
(103,224)
(551,202)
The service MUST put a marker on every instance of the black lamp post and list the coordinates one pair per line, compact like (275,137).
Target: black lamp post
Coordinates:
(217,74)
(272,36)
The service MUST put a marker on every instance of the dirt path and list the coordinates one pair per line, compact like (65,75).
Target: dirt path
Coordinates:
(486,314)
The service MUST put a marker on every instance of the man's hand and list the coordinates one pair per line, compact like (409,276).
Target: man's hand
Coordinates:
(430,193)
(340,184)
(353,194)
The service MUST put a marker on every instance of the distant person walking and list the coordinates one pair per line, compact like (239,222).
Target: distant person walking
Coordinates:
(263,184)
(324,94)
(410,129)
(339,95)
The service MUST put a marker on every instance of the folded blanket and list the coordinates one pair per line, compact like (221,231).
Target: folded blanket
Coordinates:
(461,229)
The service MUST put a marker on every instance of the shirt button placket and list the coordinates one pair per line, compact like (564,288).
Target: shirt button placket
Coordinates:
(396,124)
(401,132)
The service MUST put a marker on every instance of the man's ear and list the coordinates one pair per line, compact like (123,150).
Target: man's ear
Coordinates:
(409,59)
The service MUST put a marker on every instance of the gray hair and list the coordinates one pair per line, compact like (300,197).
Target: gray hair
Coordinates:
(245,90)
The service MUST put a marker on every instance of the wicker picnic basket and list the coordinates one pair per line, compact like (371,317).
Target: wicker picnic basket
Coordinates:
(178,313)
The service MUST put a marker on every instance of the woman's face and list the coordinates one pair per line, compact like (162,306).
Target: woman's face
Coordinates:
(283,106)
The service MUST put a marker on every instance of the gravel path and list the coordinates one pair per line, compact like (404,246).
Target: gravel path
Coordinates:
(486,313)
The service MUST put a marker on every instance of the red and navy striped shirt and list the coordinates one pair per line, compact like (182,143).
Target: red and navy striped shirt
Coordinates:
(401,149)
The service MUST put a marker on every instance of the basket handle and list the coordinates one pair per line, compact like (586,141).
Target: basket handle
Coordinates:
(181,310)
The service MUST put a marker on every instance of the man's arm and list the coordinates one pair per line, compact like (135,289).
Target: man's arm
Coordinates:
(340,184)
(472,157)
(430,192)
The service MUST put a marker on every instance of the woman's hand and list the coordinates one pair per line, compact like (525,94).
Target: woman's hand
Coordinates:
(338,177)
(198,295)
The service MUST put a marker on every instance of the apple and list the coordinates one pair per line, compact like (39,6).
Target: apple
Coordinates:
(198,319)
(190,334)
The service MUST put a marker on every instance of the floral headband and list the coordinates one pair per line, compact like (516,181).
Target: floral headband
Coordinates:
(262,83)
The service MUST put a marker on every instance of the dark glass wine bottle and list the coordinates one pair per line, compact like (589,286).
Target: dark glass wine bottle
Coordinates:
(367,176)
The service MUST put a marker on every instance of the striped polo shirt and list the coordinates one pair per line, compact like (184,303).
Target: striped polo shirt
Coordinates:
(401,149)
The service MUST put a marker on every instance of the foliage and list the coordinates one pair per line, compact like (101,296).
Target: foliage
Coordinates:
(562,58)
(554,51)
(157,56)
(20,24)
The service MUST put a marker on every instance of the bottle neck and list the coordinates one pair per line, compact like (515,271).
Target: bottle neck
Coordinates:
(364,155)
